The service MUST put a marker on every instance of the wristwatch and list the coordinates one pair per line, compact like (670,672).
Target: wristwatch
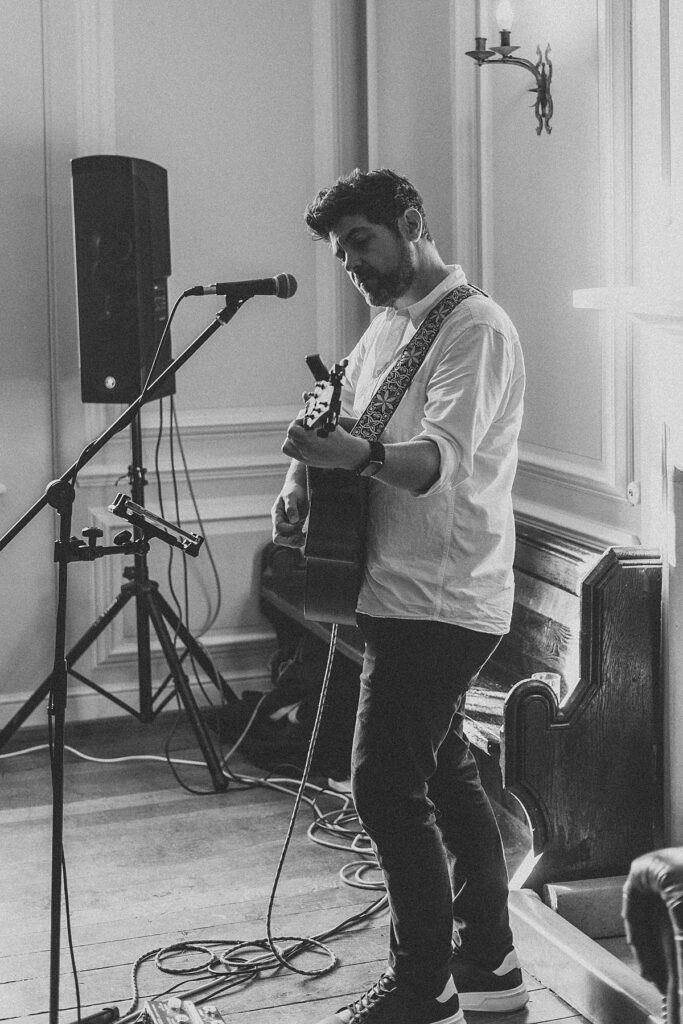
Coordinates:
(375,460)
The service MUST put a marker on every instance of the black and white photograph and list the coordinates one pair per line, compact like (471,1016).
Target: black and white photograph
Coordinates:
(341,512)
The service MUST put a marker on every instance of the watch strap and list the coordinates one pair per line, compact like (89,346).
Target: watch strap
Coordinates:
(375,460)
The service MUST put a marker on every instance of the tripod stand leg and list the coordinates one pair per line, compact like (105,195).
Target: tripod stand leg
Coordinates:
(195,649)
(58,712)
(182,685)
(88,638)
(144,659)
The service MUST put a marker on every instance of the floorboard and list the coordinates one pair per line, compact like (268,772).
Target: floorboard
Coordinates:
(151,864)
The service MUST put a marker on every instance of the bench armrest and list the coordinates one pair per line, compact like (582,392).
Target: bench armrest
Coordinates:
(653,914)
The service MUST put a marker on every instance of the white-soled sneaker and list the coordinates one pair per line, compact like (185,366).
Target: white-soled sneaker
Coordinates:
(387,1002)
(500,990)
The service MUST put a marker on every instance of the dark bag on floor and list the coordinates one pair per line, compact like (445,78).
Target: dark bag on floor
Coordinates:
(281,731)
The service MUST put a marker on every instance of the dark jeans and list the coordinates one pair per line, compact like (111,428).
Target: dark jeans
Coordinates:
(419,797)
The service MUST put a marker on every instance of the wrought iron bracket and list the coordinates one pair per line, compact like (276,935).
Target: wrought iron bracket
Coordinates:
(542,71)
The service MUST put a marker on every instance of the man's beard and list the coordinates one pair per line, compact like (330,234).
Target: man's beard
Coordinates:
(384,289)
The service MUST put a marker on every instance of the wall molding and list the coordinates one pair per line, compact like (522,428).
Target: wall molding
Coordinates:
(618,231)
(610,474)
(205,423)
(473,144)
(567,468)
(247,517)
(86,705)
(586,528)
(473,160)
(468,152)
(328,75)
(96,97)
(219,444)
(51,254)
(239,468)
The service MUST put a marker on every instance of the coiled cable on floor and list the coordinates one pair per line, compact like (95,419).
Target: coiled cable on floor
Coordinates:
(226,964)
(242,961)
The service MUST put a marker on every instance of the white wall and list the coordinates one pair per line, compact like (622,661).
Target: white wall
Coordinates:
(530,218)
(27,575)
(246,106)
(557,206)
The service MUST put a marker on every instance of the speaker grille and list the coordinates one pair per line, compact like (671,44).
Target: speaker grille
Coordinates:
(122,246)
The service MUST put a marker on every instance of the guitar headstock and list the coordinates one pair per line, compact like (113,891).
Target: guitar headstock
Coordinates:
(323,404)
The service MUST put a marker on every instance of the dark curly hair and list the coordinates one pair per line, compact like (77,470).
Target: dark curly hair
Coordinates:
(382,196)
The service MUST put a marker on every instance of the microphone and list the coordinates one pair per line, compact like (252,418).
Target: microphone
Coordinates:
(284,286)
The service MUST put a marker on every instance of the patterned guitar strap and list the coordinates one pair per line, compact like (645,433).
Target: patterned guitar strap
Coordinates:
(383,404)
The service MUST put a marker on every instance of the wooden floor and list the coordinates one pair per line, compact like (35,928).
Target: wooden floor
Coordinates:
(150,864)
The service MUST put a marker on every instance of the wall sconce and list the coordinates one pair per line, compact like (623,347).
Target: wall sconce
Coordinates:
(542,70)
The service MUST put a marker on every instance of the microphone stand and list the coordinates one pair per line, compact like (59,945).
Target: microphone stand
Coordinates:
(60,494)
(223,317)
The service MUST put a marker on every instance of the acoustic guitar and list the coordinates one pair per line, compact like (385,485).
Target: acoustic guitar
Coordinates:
(335,549)
(335,538)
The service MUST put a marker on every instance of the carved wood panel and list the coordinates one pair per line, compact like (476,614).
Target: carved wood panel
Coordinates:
(589,772)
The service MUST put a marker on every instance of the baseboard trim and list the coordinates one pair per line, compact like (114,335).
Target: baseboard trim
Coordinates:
(85,705)
(577,969)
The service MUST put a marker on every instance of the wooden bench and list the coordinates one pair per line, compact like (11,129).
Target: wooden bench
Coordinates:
(586,768)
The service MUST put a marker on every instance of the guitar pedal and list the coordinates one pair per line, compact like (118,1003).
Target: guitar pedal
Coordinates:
(174,1010)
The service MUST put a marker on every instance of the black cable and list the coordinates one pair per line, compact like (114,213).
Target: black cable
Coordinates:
(173,430)
(283,957)
(162,512)
(169,760)
(213,615)
(176,601)
(231,967)
(183,610)
(70,939)
(185,574)
(157,354)
(65,886)
(169,568)
(157,443)
(297,802)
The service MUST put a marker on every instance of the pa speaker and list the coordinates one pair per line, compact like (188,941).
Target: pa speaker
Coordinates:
(122,263)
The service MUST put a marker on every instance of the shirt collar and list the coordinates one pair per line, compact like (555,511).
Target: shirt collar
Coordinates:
(418,310)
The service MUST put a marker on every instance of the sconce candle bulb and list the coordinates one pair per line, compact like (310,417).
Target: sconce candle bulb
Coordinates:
(505,16)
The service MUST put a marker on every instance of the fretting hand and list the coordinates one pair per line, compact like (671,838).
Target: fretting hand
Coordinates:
(338,450)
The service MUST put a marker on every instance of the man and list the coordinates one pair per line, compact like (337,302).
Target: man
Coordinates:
(435,599)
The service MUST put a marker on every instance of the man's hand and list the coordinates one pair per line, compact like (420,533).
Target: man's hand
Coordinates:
(289,514)
(339,450)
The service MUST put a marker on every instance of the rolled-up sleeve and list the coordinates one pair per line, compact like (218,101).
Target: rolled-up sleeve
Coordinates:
(464,395)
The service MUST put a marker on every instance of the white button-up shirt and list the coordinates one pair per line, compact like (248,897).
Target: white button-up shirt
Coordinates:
(446,554)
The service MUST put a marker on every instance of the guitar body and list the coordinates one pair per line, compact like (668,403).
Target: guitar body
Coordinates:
(335,544)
